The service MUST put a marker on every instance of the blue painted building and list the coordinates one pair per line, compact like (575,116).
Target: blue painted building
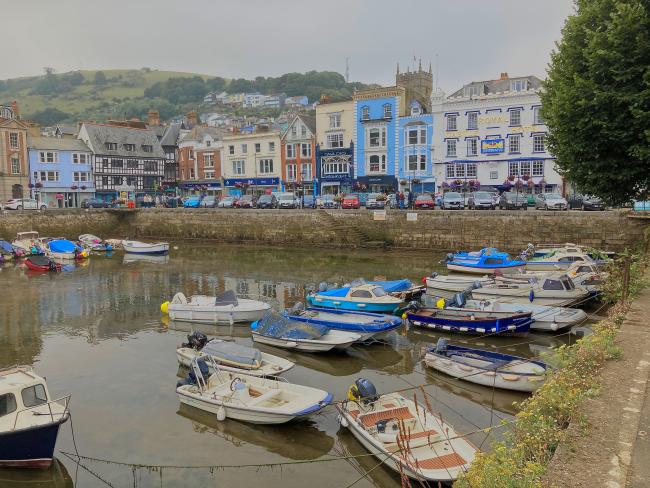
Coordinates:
(415,170)
(60,171)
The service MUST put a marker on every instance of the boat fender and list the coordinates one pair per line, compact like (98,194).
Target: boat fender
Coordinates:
(554,326)
(221,414)
(343,421)
(441,303)
(433,275)
(164,307)
(531,295)
(476,285)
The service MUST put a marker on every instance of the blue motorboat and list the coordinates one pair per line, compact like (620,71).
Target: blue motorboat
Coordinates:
(368,325)
(65,249)
(488,260)
(367,298)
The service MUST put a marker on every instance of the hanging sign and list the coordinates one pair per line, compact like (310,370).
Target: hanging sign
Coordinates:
(491,146)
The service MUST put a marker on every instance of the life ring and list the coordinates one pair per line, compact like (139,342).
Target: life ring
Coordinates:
(236,380)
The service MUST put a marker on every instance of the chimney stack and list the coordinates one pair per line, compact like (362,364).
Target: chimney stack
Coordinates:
(14,108)
(153,117)
(192,118)
(504,76)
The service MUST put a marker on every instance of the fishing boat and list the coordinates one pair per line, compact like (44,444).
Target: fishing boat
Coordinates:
(447,286)
(558,258)
(65,250)
(277,330)
(486,368)
(94,243)
(137,247)
(367,325)
(464,321)
(556,290)
(486,261)
(253,399)
(368,298)
(42,263)
(28,243)
(223,309)
(30,419)
(405,435)
(231,356)
(403,289)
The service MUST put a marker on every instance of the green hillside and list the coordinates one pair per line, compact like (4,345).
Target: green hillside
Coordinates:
(100,95)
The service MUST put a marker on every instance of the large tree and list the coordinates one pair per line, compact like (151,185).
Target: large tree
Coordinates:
(596,101)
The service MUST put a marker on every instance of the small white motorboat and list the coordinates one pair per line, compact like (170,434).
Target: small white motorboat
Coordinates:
(278,330)
(94,243)
(404,435)
(231,356)
(223,309)
(486,368)
(552,290)
(27,242)
(557,258)
(137,247)
(253,399)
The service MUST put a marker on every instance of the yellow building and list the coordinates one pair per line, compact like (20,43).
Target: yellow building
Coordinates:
(14,165)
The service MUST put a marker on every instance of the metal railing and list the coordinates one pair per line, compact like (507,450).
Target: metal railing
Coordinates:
(63,401)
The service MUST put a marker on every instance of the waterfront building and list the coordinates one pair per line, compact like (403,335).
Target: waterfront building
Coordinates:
(415,145)
(199,157)
(492,132)
(252,100)
(60,171)
(298,153)
(125,159)
(299,102)
(168,136)
(274,101)
(14,165)
(335,126)
(251,162)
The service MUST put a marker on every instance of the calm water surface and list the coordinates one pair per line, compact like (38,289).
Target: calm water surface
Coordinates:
(96,332)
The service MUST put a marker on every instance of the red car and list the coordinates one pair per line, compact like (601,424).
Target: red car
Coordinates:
(351,201)
(424,202)
(247,201)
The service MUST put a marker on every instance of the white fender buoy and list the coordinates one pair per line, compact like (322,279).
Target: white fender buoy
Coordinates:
(221,414)
(343,421)
(553,326)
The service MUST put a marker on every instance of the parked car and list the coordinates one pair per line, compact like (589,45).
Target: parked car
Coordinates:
(480,199)
(245,201)
(424,202)
(267,201)
(209,202)
(585,202)
(193,201)
(94,203)
(287,200)
(375,201)
(511,200)
(351,201)
(226,202)
(24,204)
(309,201)
(551,201)
(173,202)
(326,201)
(452,200)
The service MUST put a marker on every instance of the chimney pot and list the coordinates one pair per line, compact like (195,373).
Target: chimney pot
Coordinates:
(504,76)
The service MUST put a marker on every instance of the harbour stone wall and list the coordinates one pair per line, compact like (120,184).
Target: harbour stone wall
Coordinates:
(424,230)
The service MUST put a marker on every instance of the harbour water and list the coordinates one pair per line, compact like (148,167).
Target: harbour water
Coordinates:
(96,332)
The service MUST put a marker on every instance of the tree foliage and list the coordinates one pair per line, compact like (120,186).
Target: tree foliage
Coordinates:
(49,116)
(100,78)
(596,101)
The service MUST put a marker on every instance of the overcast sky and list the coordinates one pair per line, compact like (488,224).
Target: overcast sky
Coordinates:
(474,39)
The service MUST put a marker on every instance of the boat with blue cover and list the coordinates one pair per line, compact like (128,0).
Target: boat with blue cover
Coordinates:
(366,297)
(368,325)
(488,368)
(488,260)
(63,249)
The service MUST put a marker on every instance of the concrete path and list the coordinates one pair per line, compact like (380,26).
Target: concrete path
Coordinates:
(611,448)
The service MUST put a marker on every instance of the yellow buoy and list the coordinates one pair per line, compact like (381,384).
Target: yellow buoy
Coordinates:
(404,316)
(440,303)
(164,306)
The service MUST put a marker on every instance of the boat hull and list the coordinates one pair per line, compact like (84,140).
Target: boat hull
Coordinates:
(35,267)
(518,326)
(29,448)
(367,330)
(142,248)
(553,301)
(215,317)
(273,367)
(342,304)
(302,344)
(468,268)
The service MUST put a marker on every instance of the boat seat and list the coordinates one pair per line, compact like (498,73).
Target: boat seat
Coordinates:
(417,439)
(180,298)
(370,419)
(446,461)
(269,395)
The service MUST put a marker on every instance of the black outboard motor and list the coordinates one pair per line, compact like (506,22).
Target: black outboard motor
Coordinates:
(363,391)
(322,286)
(190,379)
(196,340)
(413,306)
(297,308)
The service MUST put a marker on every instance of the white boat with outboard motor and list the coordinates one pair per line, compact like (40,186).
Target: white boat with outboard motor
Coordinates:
(138,247)
(552,259)
(487,368)
(258,400)
(405,435)
(225,308)
(231,356)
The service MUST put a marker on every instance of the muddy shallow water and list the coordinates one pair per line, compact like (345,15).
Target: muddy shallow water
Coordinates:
(96,332)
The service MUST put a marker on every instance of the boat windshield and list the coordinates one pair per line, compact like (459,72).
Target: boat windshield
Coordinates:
(552,285)
(568,284)
(379,291)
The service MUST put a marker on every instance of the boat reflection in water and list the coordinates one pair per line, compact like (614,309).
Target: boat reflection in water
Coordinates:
(56,476)
(299,440)
(380,476)
(145,258)
(211,330)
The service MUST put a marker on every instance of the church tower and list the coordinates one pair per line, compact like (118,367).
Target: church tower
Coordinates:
(418,85)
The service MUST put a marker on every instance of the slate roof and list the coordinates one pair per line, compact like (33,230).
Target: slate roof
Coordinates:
(501,85)
(67,129)
(310,122)
(57,144)
(198,132)
(171,135)
(100,134)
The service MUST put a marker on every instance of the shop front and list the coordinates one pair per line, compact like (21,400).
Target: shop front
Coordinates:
(379,183)
(63,197)
(334,167)
(251,186)
(200,187)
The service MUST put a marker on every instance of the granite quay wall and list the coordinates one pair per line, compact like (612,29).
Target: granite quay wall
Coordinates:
(431,230)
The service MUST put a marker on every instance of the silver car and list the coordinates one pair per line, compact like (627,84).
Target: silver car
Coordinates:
(24,204)
(551,201)
(226,202)
(453,200)
(480,199)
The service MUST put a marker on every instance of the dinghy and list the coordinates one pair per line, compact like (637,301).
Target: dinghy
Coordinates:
(137,247)
(486,261)
(368,325)
(231,356)
(248,398)
(42,263)
(223,309)
(277,330)
(65,250)
(486,368)
(404,435)
(94,243)
(367,297)
(28,243)
(7,251)
(469,322)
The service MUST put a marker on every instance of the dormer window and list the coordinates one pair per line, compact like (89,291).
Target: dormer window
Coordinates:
(208,143)
(147,148)
(129,147)
(365,113)
(415,110)
(472,91)
(518,85)
(388,111)
(111,146)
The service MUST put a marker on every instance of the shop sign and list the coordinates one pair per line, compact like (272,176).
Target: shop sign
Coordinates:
(493,146)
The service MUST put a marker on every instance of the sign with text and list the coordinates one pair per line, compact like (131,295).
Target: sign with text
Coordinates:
(411,217)
(379,215)
(491,146)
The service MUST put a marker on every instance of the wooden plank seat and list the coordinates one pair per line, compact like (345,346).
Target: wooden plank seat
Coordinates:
(416,439)
(370,419)
(445,461)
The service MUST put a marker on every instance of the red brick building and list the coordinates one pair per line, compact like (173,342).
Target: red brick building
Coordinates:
(298,154)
